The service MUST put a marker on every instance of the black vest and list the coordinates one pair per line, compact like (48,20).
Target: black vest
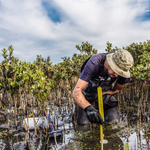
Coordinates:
(90,92)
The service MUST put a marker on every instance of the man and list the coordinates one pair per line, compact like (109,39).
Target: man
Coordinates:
(101,70)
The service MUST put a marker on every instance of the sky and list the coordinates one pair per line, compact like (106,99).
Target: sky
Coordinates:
(54,27)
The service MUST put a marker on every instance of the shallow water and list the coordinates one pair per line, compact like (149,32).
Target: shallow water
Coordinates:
(133,128)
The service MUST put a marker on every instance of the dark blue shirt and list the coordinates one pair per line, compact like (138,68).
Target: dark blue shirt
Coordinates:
(95,67)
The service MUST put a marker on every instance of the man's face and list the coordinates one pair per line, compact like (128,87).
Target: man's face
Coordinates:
(111,73)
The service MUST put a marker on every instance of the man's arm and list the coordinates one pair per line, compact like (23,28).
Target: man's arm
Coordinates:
(92,113)
(78,96)
(118,88)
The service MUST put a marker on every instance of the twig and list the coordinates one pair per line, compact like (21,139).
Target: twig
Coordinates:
(55,140)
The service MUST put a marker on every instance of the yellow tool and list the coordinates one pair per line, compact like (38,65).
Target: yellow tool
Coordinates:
(101,110)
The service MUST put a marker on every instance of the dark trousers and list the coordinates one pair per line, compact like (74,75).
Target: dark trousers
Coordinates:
(111,113)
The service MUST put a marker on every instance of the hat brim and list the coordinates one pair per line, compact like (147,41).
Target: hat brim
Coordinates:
(115,68)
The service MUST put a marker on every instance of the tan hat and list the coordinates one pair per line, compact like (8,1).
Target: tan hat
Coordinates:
(120,62)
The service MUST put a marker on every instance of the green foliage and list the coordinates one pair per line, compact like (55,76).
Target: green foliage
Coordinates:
(86,48)
(41,77)
(109,48)
(137,49)
(141,70)
(18,75)
(70,67)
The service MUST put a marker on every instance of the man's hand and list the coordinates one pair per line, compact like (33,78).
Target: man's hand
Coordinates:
(93,115)
(118,88)
(110,92)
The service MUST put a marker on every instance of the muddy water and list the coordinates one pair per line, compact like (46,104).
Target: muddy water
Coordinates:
(134,128)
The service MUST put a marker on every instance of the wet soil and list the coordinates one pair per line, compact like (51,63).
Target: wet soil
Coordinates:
(133,128)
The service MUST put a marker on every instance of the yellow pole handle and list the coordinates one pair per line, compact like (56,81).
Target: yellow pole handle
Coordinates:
(100,102)
(101,110)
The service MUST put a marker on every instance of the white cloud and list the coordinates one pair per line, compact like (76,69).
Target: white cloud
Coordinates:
(26,25)
(27,18)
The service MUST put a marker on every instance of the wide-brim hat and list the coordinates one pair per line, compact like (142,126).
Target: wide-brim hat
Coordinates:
(120,62)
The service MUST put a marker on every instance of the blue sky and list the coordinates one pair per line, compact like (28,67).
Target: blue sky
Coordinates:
(53,27)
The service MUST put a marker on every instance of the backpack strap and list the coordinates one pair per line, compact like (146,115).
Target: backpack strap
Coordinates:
(116,83)
(84,64)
